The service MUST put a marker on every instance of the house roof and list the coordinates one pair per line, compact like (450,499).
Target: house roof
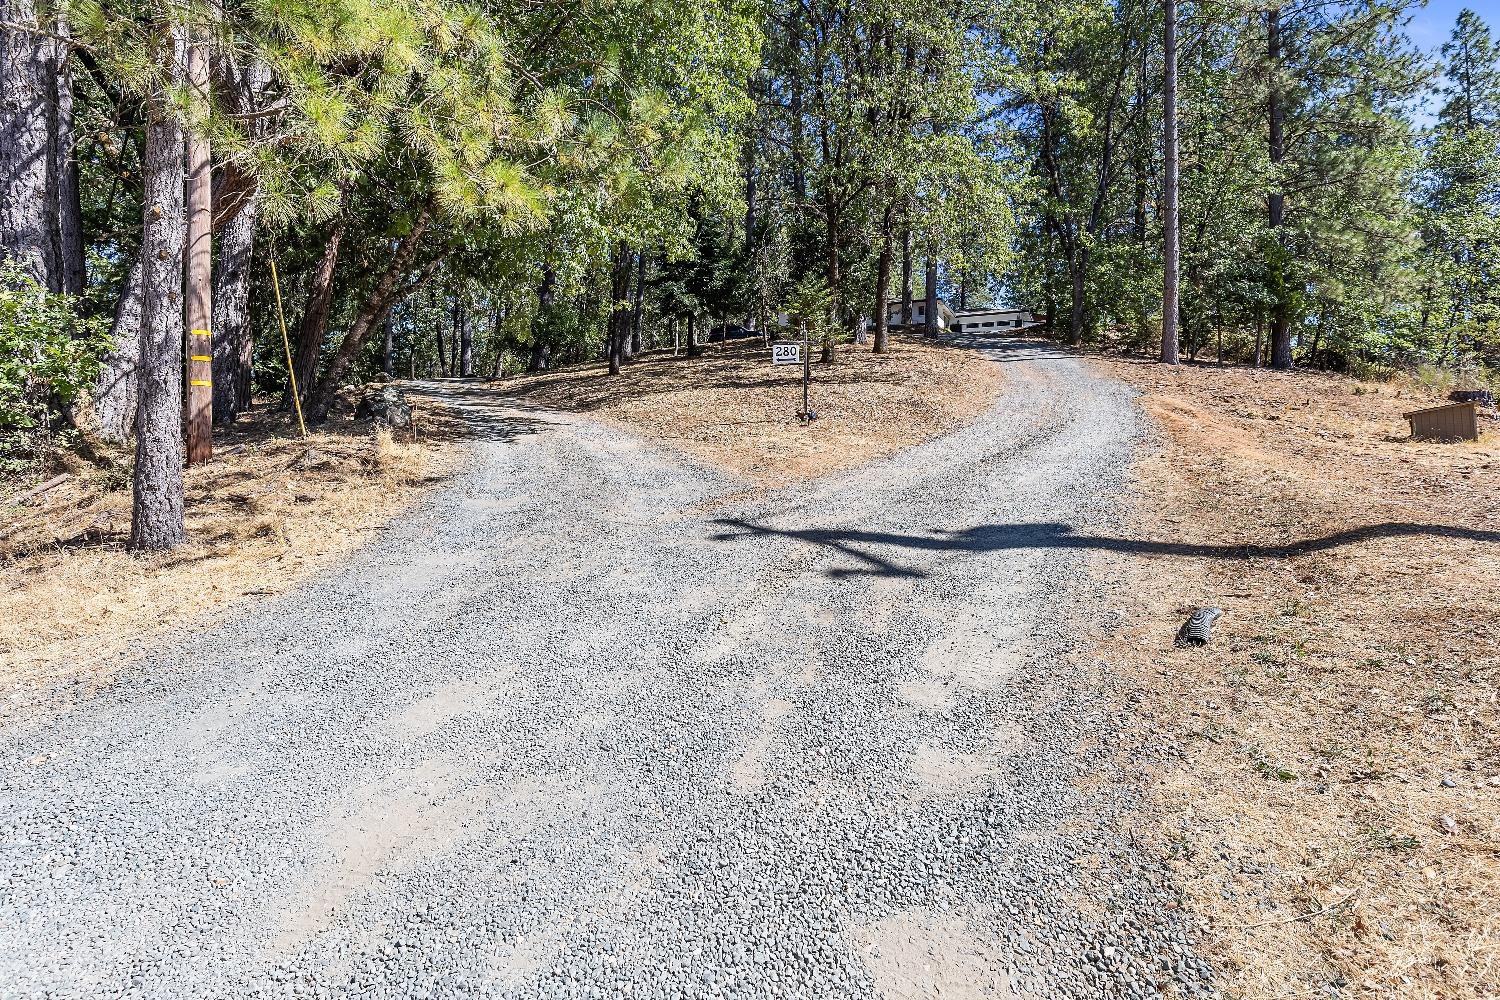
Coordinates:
(991,311)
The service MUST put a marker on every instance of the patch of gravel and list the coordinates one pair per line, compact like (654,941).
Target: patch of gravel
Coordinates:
(592,724)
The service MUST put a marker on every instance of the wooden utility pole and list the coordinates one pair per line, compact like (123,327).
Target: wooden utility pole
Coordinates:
(200,443)
(1170,251)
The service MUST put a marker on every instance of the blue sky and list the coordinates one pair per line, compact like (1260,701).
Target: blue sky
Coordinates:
(1431,25)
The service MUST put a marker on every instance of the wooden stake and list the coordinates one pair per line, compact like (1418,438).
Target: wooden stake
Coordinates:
(291,367)
(200,445)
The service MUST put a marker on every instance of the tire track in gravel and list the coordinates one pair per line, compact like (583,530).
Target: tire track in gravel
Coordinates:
(599,722)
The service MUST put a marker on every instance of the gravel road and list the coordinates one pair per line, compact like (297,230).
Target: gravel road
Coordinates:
(599,722)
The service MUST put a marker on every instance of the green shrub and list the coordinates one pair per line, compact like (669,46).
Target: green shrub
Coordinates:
(1370,371)
(1472,373)
(49,354)
(1434,380)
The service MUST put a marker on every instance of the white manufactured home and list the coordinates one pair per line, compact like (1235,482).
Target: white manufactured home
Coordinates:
(945,315)
(996,320)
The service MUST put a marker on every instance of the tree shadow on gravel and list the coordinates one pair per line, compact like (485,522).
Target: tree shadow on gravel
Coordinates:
(467,411)
(1051,535)
(1019,346)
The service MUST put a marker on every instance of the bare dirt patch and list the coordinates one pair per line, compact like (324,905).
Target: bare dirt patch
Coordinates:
(269,509)
(730,407)
(920,955)
(1330,783)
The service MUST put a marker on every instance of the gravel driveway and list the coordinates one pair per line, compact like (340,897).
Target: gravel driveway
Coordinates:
(598,722)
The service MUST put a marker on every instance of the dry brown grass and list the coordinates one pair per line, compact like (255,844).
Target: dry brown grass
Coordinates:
(1303,799)
(730,407)
(266,511)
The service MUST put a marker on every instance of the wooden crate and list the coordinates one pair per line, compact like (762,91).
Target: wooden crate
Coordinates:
(1453,422)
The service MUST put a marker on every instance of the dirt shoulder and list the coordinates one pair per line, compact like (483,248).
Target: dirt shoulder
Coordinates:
(269,509)
(732,408)
(1330,767)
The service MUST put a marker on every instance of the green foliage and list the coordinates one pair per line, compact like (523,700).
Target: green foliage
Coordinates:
(809,302)
(49,355)
(810,307)
(1378,256)
(762,155)
(1384,838)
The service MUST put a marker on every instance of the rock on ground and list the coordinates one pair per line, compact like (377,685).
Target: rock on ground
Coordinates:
(384,404)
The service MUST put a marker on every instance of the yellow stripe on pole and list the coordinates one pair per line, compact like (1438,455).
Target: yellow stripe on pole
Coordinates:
(202,333)
(200,381)
(201,357)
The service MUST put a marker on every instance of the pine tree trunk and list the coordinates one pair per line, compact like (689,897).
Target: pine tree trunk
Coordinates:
(442,350)
(751,147)
(457,314)
(883,283)
(497,336)
(156,520)
(1076,317)
(640,302)
(373,311)
(236,206)
(1170,252)
(546,293)
(27,191)
(388,348)
(834,275)
(627,341)
(465,345)
(906,275)
(117,396)
(619,315)
(1281,331)
(233,342)
(314,326)
(931,329)
(1317,339)
(68,213)
(1139,204)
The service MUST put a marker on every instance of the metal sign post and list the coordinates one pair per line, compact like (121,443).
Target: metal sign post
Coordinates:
(807,413)
(796,354)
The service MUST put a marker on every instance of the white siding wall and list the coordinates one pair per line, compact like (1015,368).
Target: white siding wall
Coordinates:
(918,315)
(998,320)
